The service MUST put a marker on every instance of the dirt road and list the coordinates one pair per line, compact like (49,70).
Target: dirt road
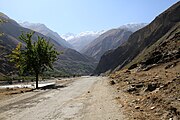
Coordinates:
(86,98)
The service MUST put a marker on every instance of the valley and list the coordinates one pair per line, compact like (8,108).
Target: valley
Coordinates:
(69,63)
(116,71)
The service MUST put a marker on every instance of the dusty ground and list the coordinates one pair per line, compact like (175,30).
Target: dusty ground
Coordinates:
(13,92)
(150,95)
(86,98)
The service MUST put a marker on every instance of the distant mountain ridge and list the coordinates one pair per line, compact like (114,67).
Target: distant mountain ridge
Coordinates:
(79,41)
(145,41)
(43,29)
(109,40)
(70,62)
(133,26)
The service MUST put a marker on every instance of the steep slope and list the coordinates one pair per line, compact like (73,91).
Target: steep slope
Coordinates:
(141,40)
(41,28)
(110,40)
(107,41)
(79,41)
(144,93)
(166,49)
(70,62)
(152,80)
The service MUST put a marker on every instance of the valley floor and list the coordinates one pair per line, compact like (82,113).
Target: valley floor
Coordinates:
(84,98)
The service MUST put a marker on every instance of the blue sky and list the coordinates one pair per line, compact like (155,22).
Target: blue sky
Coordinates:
(76,16)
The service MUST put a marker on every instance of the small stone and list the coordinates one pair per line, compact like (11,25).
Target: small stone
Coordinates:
(112,82)
(137,107)
(152,108)
(157,76)
(118,97)
(151,87)
(131,89)
(134,101)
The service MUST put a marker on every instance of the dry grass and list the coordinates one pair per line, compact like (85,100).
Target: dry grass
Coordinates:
(10,92)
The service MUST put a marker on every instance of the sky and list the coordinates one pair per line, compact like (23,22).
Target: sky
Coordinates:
(75,16)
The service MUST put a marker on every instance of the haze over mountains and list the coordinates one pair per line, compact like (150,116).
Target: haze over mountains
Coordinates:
(79,41)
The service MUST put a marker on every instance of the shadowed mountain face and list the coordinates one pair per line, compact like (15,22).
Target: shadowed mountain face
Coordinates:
(41,28)
(107,41)
(84,41)
(165,26)
(70,61)
(110,40)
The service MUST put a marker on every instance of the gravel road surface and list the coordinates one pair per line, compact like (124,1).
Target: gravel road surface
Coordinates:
(85,98)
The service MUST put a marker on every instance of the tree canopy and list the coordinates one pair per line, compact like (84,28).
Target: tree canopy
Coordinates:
(36,57)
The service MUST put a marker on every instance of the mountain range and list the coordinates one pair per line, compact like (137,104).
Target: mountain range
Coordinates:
(142,61)
(156,42)
(70,62)
(126,46)
(43,29)
(79,41)
(110,40)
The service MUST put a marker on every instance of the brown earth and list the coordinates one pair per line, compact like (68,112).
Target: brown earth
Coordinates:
(11,92)
(8,93)
(152,94)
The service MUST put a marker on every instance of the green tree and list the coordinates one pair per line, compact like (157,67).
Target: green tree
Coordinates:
(35,57)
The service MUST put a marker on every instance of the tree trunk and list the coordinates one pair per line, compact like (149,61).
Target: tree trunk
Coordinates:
(37,77)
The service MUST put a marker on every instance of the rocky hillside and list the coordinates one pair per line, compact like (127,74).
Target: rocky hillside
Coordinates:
(107,41)
(70,62)
(148,86)
(43,29)
(149,94)
(110,40)
(145,42)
